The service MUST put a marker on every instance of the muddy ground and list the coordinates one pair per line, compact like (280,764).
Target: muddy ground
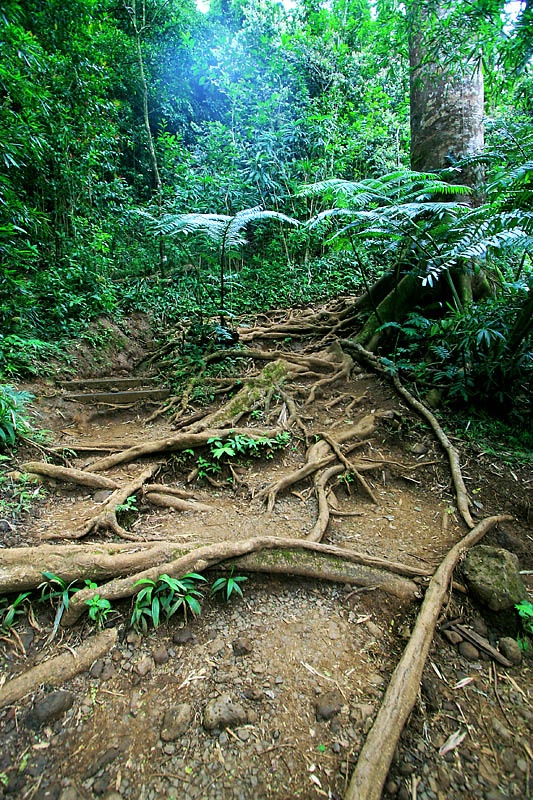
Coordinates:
(296,669)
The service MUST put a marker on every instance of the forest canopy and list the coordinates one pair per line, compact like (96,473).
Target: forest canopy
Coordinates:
(341,145)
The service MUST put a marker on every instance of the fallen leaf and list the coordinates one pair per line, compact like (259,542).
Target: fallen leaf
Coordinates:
(452,742)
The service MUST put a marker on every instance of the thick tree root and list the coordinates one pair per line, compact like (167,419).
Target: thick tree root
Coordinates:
(168,500)
(464,503)
(69,475)
(344,370)
(319,456)
(57,670)
(21,567)
(203,558)
(106,519)
(181,441)
(375,758)
(320,481)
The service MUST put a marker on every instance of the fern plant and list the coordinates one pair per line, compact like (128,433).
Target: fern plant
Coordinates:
(402,214)
(225,232)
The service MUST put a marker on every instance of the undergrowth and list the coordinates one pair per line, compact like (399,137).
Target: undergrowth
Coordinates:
(155,602)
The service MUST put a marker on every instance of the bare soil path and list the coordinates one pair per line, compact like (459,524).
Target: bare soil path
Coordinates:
(269,696)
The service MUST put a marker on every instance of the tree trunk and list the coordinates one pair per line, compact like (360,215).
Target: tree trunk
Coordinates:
(446,102)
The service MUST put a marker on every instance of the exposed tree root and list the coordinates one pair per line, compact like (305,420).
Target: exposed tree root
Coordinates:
(166,500)
(201,558)
(319,456)
(375,758)
(320,481)
(59,669)
(343,371)
(21,567)
(69,475)
(350,467)
(464,503)
(173,444)
(106,519)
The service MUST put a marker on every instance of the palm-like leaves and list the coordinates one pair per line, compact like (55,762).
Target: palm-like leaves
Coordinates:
(225,231)
(400,209)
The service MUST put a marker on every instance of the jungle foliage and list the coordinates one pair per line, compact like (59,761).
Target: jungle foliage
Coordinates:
(131,131)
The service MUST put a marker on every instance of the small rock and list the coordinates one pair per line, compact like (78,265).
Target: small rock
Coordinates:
(253,693)
(242,646)
(183,635)
(223,712)
(133,638)
(50,708)
(479,625)
(144,666)
(108,671)
(493,577)
(360,712)
(453,637)
(406,768)
(102,495)
(328,705)
(175,722)
(160,654)
(97,669)
(69,793)
(135,703)
(501,730)
(419,449)
(430,689)
(468,651)
(391,787)
(243,734)
(510,649)
(374,629)
(508,759)
(215,647)
(101,784)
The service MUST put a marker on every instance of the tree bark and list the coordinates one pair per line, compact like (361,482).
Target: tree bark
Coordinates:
(446,103)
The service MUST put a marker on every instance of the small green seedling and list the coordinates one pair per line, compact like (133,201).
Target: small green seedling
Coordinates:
(56,590)
(161,599)
(228,585)
(11,611)
(129,505)
(525,611)
(99,609)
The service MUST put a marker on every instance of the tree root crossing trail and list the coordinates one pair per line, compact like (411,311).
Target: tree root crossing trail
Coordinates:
(307,462)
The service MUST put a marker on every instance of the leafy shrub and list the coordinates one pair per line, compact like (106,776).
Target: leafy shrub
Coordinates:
(161,599)
(25,355)
(14,420)
(467,355)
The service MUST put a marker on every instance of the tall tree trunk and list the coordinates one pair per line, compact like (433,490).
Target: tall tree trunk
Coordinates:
(446,101)
(446,104)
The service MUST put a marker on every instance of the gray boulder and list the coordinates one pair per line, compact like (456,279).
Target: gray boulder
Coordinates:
(492,577)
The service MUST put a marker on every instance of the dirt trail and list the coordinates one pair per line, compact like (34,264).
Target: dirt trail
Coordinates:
(293,673)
